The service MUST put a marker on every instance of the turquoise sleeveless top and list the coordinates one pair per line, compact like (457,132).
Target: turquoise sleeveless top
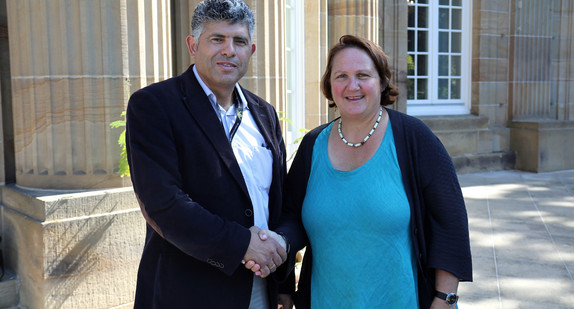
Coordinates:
(358,225)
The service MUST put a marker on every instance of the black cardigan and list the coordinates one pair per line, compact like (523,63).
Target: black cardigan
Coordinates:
(439,224)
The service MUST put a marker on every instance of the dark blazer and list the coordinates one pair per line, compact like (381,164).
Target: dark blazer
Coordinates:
(193,196)
(439,223)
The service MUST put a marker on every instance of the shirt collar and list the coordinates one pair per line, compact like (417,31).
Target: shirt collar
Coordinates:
(211,95)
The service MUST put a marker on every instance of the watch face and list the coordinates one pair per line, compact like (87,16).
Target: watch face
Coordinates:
(451,299)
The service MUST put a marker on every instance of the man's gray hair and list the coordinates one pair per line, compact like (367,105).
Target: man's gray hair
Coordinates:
(231,11)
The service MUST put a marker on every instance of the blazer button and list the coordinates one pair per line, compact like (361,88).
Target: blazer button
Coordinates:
(248,212)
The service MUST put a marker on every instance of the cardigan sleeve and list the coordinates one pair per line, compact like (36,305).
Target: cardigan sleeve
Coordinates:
(448,241)
(441,223)
(294,191)
(295,188)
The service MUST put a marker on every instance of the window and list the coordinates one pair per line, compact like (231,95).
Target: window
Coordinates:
(438,63)
(294,62)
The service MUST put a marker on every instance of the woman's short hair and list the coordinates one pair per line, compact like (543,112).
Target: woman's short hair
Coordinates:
(380,59)
(231,11)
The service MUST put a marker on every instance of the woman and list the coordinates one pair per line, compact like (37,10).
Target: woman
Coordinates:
(382,213)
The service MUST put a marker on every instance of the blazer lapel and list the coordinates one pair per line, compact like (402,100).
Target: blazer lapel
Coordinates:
(266,126)
(201,110)
(263,121)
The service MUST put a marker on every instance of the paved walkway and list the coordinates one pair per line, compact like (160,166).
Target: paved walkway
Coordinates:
(522,240)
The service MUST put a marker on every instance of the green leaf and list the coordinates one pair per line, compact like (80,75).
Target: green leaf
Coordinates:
(122,139)
(124,168)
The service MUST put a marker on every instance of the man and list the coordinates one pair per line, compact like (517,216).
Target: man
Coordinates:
(207,162)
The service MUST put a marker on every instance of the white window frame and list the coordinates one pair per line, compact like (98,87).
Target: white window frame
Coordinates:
(295,44)
(434,106)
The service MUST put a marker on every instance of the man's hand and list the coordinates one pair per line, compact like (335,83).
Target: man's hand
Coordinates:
(266,252)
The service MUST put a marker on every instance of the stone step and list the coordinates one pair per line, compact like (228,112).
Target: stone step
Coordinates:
(461,134)
(468,140)
(9,291)
(483,162)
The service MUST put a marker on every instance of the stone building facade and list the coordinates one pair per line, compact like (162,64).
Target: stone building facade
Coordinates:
(71,230)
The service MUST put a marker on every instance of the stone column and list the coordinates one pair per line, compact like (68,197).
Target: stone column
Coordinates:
(6,140)
(490,69)
(74,64)
(530,60)
(266,74)
(392,37)
(563,62)
(316,49)
(541,132)
(356,17)
(182,13)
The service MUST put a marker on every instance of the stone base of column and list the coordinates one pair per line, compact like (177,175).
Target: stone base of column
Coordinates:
(72,249)
(543,146)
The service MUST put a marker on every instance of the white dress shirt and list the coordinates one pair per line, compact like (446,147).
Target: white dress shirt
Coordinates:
(256,164)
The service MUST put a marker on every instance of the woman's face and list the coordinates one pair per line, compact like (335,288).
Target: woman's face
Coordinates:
(355,83)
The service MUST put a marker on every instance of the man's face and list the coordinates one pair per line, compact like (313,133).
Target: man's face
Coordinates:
(221,54)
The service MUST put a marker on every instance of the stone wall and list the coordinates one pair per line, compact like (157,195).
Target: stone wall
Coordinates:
(73,249)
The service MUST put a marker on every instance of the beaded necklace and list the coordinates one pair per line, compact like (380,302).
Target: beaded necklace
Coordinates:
(368,135)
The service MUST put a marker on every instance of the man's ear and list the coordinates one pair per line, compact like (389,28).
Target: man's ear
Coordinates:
(252,49)
(191,45)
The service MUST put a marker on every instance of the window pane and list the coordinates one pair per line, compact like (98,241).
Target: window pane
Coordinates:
(410,65)
(443,65)
(290,70)
(411,43)
(411,16)
(289,16)
(456,3)
(443,2)
(456,45)
(410,89)
(443,89)
(422,65)
(455,66)
(422,20)
(422,41)
(443,42)
(422,89)
(443,22)
(456,19)
(423,1)
(455,89)
(289,98)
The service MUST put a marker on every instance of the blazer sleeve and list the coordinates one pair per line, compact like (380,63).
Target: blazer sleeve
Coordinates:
(154,159)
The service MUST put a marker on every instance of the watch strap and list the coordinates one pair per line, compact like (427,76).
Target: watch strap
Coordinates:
(287,244)
(450,298)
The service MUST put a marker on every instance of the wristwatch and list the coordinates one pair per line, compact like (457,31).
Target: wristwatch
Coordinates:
(450,298)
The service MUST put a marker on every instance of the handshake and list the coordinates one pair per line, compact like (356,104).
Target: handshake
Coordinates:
(267,250)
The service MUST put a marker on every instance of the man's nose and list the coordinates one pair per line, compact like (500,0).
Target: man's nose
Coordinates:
(228,49)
